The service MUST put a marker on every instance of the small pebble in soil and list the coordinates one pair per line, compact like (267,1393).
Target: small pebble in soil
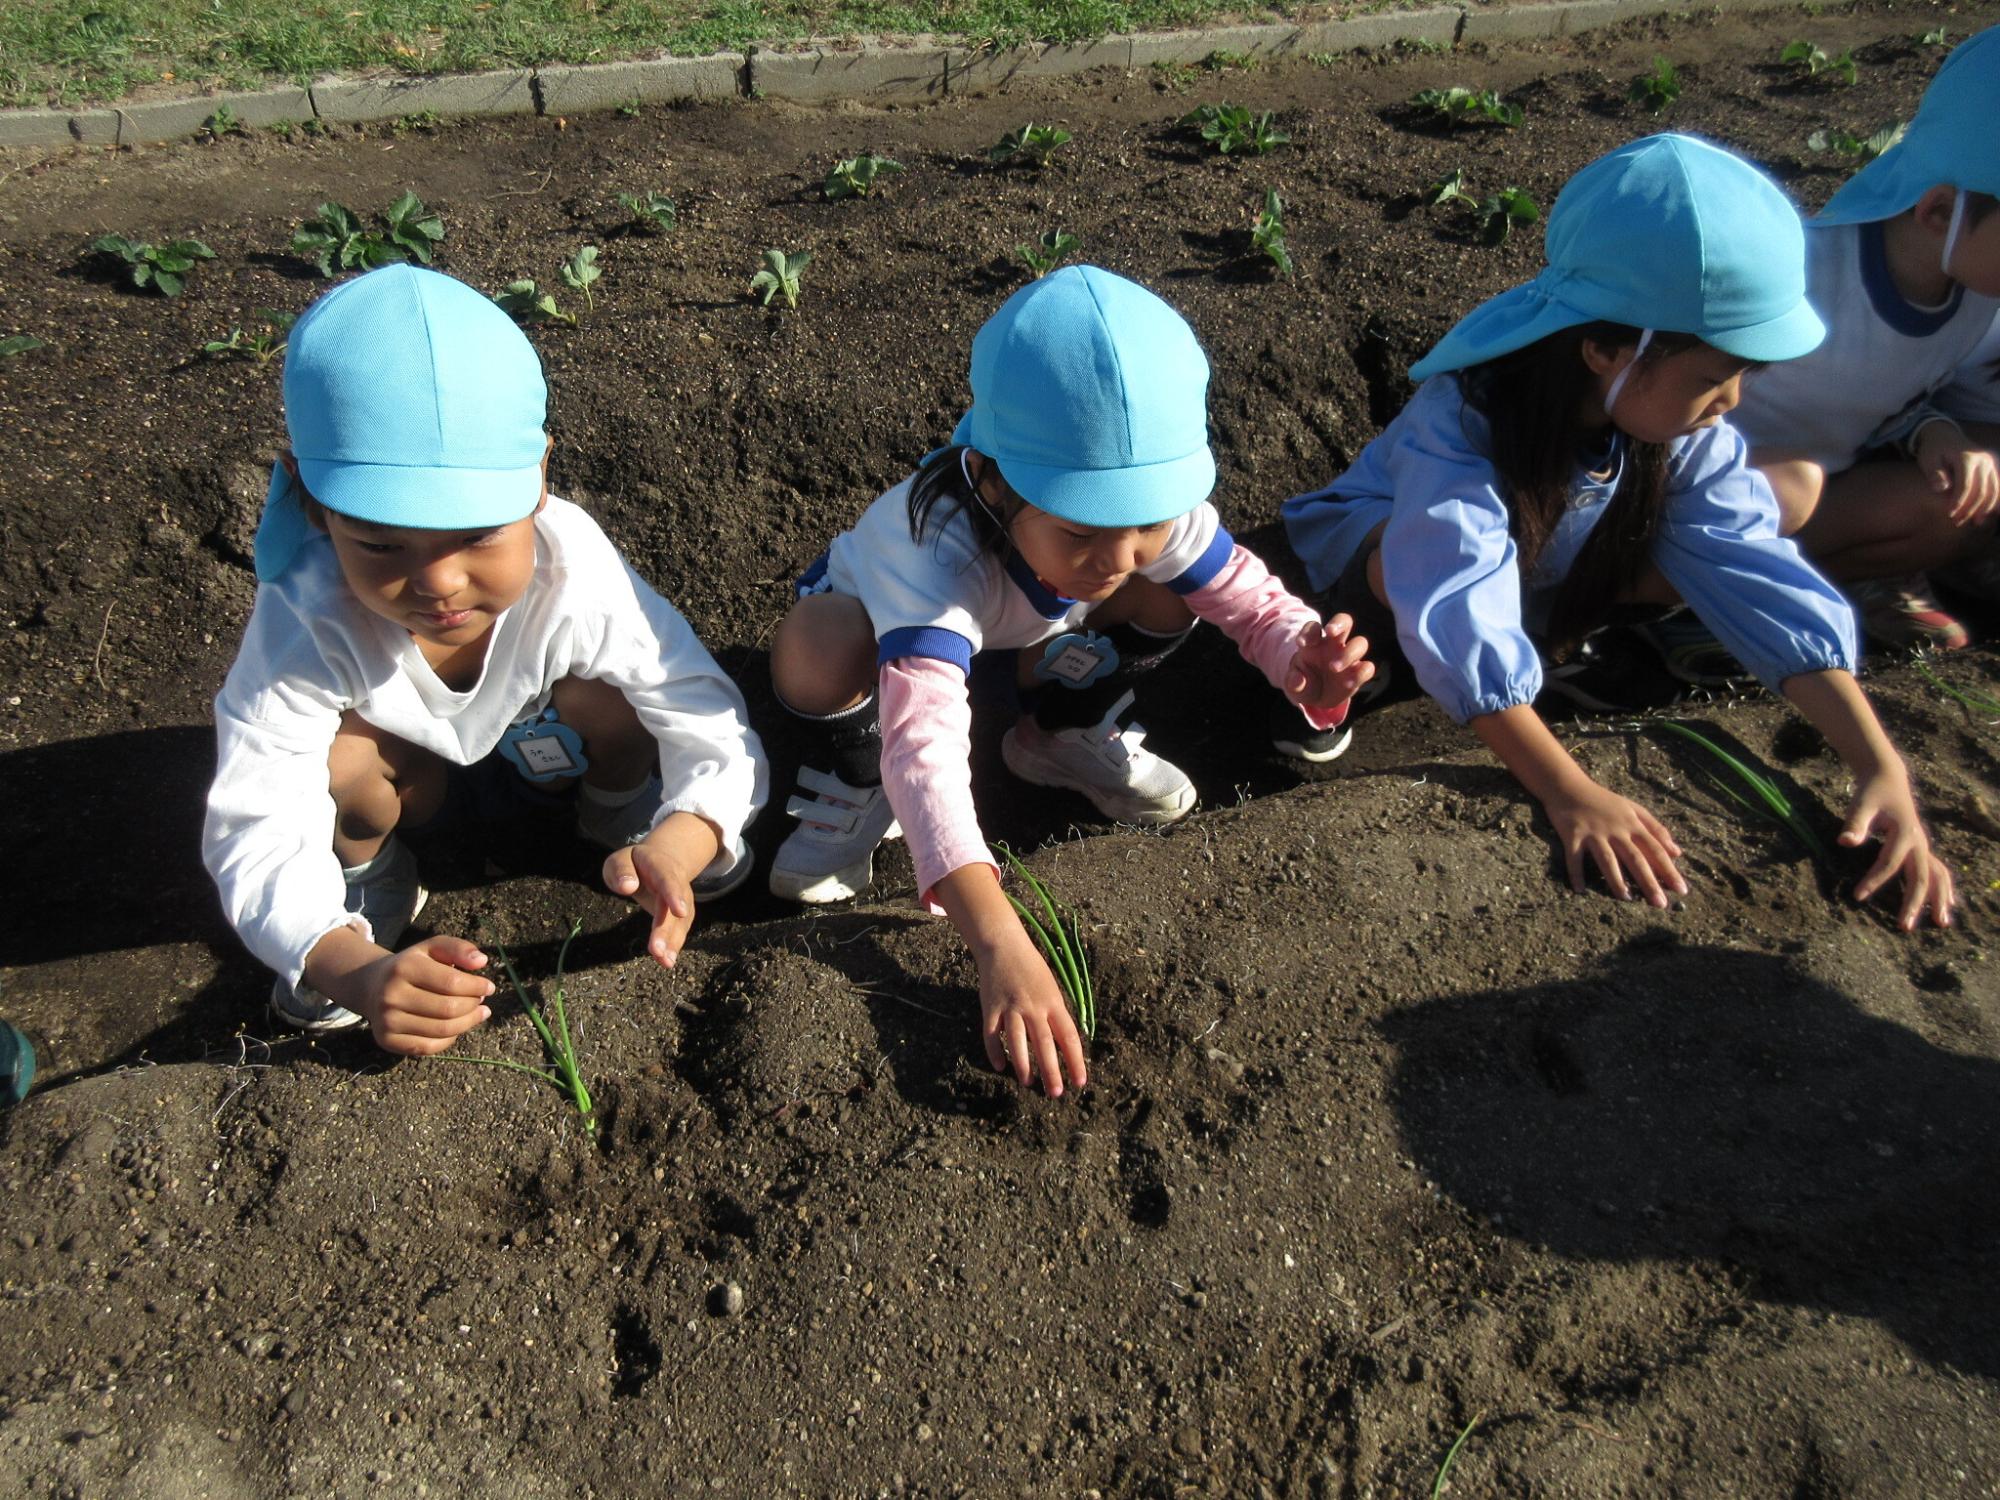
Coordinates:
(726,1301)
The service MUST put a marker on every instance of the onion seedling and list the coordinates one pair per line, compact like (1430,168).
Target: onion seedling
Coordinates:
(1749,788)
(1982,704)
(780,276)
(579,271)
(1048,252)
(1032,143)
(164,268)
(855,177)
(1442,1482)
(1059,933)
(562,1072)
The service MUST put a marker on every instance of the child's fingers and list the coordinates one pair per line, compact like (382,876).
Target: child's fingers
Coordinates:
(409,1023)
(1046,1062)
(453,952)
(1071,1045)
(1944,896)
(1643,857)
(1606,859)
(1340,627)
(1015,1032)
(621,875)
(996,1050)
(1659,833)
(1573,856)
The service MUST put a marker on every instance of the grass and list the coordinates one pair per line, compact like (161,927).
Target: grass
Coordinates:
(71,52)
(1985,706)
(1442,1482)
(562,1073)
(1749,788)
(1055,927)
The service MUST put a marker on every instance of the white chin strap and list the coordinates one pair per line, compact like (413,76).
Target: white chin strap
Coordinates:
(1951,234)
(1618,381)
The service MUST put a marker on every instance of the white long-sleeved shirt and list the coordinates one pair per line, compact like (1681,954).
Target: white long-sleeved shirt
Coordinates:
(312,653)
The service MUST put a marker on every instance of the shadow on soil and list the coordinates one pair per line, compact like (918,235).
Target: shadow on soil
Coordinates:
(1697,1103)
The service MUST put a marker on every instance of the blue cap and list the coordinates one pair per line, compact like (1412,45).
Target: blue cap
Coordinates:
(1668,233)
(1952,141)
(1092,396)
(411,400)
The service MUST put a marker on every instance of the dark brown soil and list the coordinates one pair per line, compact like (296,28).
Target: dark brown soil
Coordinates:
(1387,1132)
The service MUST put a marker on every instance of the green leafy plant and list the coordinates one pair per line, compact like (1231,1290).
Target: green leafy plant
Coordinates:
(222,122)
(1983,704)
(1657,89)
(1749,788)
(1452,190)
(1033,144)
(1934,38)
(525,302)
(652,213)
(579,271)
(1047,252)
(1058,931)
(263,341)
(1459,106)
(336,240)
(20,343)
(165,268)
(1231,127)
(1267,232)
(1857,147)
(1500,213)
(1443,1480)
(424,121)
(629,110)
(1177,77)
(562,1072)
(1220,60)
(1810,59)
(857,175)
(780,276)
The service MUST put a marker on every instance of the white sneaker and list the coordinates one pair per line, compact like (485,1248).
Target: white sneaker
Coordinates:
(1108,764)
(830,856)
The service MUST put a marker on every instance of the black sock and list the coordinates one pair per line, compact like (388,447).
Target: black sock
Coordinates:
(1060,706)
(847,743)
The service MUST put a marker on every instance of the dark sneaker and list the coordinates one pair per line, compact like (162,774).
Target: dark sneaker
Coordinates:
(1293,737)
(1610,673)
(1690,651)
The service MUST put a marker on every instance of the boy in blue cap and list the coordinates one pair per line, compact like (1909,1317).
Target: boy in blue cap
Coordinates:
(1876,480)
(1068,524)
(423,601)
(1566,453)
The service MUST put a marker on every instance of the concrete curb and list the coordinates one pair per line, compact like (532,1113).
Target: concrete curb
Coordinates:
(915,71)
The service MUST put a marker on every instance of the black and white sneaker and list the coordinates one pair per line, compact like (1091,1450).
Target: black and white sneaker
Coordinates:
(1610,673)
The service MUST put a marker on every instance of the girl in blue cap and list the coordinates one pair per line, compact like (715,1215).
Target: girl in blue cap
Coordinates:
(423,601)
(1875,476)
(1566,452)
(1068,523)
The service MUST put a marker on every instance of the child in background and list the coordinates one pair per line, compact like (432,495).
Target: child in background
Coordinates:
(1878,484)
(1068,523)
(1566,453)
(423,600)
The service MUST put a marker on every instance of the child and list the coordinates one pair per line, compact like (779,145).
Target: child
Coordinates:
(1566,452)
(1875,481)
(1067,522)
(423,600)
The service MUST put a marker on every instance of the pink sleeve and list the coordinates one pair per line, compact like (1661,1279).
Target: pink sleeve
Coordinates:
(927,767)
(1264,618)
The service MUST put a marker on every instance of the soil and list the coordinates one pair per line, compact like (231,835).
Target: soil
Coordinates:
(1388,1134)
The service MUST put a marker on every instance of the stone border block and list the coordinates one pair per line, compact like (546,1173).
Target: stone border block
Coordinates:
(566,90)
(969,70)
(35,127)
(177,119)
(1266,43)
(1378,33)
(871,73)
(96,127)
(510,92)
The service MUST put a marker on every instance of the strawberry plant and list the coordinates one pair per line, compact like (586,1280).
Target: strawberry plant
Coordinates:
(856,176)
(1267,232)
(1506,208)
(1452,190)
(1032,144)
(525,302)
(579,271)
(1231,127)
(780,276)
(1048,252)
(1657,89)
(1859,148)
(164,268)
(1810,59)
(337,240)
(1459,106)
(652,213)
(264,341)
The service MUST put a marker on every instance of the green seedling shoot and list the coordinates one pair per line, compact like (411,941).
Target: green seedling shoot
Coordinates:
(1231,127)
(1033,144)
(20,343)
(525,302)
(1048,252)
(1267,232)
(336,240)
(1749,788)
(1858,148)
(1983,704)
(652,213)
(579,271)
(856,176)
(1443,1480)
(1657,89)
(1506,208)
(1811,60)
(424,120)
(163,268)
(1460,105)
(558,1048)
(222,122)
(780,276)
(1220,61)
(263,342)
(1935,37)
(1058,931)
(1452,190)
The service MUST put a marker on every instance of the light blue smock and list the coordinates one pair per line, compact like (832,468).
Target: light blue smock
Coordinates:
(1453,572)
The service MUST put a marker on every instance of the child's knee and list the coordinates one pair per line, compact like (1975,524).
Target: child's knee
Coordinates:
(375,776)
(1150,606)
(1798,484)
(823,654)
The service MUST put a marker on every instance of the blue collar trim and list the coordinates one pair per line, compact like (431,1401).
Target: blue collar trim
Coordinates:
(1047,602)
(1890,305)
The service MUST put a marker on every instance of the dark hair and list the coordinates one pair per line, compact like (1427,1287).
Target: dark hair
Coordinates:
(940,479)
(1530,399)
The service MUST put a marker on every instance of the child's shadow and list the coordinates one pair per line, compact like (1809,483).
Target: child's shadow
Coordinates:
(1694,1103)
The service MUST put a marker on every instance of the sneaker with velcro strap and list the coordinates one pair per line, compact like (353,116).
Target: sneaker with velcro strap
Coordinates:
(1108,762)
(830,856)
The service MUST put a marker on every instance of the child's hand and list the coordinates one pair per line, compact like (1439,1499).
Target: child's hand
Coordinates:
(1885,808)
(1619,836)
(1960,470)
(1024,1020)
(658,872)
(418,1002)
(1329,666)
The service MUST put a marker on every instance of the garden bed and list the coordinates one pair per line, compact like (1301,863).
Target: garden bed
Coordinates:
(1387,1132)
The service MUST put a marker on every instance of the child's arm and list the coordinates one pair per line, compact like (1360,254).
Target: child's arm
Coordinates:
(1615,832)
(417,1002)
(658,872)
(1316,666)
(927,776)
(1883,806)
